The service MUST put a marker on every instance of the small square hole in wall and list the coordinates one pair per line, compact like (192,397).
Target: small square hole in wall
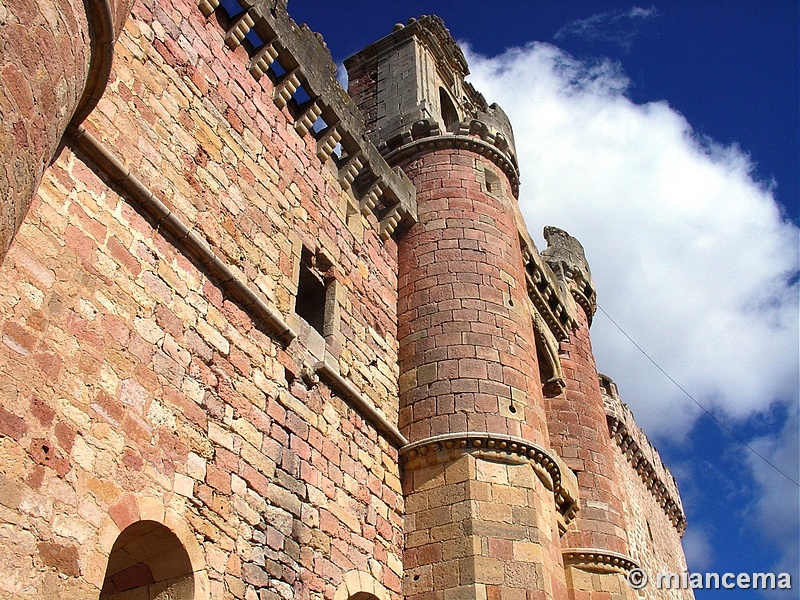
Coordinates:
(492,182)
(311,292)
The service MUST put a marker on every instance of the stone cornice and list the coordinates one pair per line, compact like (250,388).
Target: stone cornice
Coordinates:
(503,448)
(594,559)
(421,145)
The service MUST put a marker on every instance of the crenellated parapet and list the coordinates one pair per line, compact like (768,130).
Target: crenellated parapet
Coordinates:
(305,88)
(547,294)
(421,69)
(641,454)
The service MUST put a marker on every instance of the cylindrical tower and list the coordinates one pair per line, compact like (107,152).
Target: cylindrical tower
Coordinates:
(467,351)
(579,433)
(55,57)
(478,480)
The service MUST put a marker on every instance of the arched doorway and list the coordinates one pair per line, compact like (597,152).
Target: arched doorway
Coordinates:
(148,561)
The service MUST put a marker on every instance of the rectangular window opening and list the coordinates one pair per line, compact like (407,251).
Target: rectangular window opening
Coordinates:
(311,293)
(492,182)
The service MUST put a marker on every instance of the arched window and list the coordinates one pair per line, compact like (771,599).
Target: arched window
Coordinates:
(148,561)
(449,112)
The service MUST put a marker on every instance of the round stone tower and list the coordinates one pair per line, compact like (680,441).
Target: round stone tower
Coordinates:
(595,546)
(480,510)
(55,58)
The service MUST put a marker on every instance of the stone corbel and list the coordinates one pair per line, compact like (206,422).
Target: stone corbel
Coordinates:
(261,62)
(371,197)
(349,169)
(207,7)
(424,128)
(305,122)
(285,88)
(389,223)
(239,30)
(327,141)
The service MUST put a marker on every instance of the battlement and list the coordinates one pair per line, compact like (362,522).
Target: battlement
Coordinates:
(641,455)
(303,75)
(410,86)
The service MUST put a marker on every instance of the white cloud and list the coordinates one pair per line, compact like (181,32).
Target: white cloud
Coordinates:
(689,254)
(698,550)
(776,511)
(620,26)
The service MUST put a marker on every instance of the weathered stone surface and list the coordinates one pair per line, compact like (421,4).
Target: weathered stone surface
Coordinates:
(175,419)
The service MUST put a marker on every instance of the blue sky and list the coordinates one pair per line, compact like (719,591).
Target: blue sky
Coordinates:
(681,119)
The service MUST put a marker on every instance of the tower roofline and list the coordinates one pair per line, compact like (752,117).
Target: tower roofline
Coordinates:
(429,29)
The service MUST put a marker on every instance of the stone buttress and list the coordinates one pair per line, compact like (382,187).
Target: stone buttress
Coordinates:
(481,521)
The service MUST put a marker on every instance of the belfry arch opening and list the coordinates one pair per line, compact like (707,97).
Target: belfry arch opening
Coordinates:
(148,561)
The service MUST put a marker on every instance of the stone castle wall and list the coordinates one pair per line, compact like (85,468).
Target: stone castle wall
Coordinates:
(129,371)
(655,515)
(206,390)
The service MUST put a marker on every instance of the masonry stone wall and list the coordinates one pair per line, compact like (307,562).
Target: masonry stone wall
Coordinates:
(128,372)
(651,500)
(253,347)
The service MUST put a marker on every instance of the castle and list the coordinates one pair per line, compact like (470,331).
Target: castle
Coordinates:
(266,339)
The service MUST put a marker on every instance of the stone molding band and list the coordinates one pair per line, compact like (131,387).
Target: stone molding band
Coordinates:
(594,559)
(498,447)
(458,142)
(186,239)
(364,407)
